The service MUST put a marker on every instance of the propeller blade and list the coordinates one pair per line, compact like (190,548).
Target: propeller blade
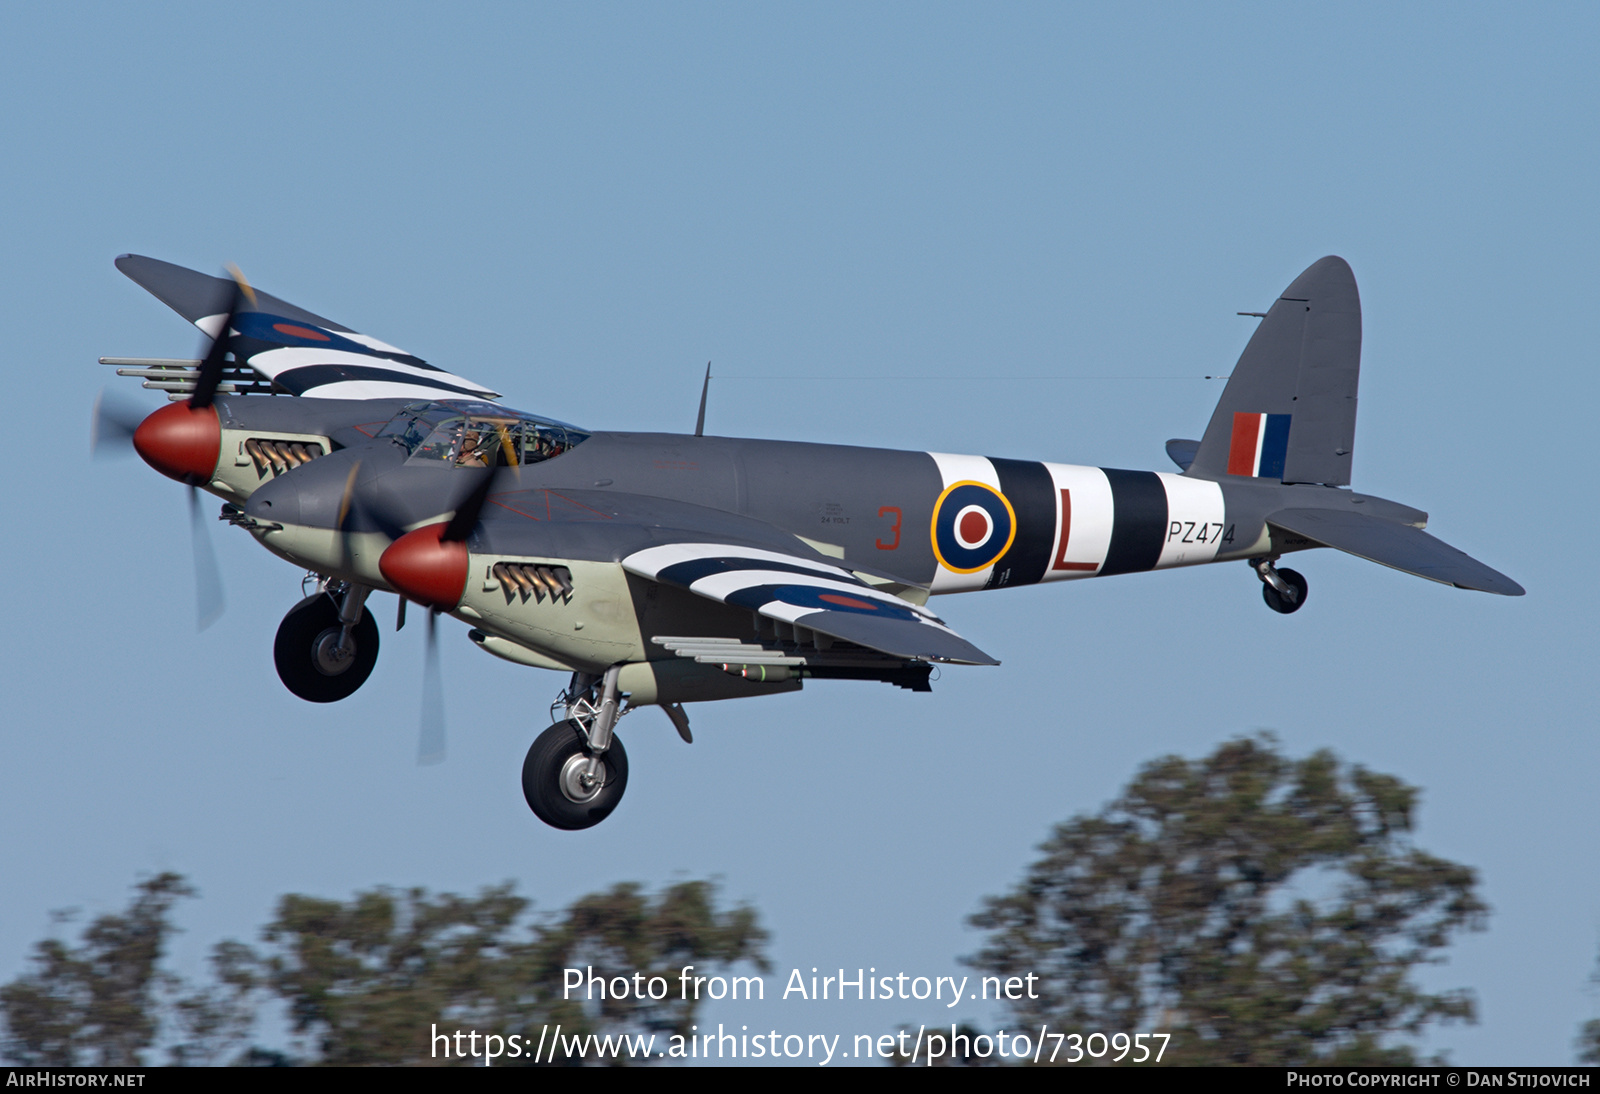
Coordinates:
(207,575)
(466,518)
(430,745)
(111,428)
(344,511)
(368,506)
(210,374)
(349,493)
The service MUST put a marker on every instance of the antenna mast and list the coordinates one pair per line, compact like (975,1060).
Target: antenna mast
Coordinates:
(700,422)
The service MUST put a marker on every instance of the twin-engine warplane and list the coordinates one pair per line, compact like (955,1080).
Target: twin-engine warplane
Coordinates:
(663,569)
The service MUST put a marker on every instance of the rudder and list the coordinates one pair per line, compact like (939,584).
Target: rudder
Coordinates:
(1289,411)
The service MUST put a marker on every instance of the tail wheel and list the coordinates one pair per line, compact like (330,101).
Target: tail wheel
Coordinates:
(1277,601)
(557,784)
(310,660)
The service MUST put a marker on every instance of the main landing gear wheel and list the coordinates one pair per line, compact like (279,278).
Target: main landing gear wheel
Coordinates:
(1277,601)
(556,783)
(309,659)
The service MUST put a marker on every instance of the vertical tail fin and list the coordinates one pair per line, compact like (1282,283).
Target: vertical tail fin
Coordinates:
(1289,411)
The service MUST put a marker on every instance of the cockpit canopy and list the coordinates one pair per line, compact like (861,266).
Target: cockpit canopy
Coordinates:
(464,433)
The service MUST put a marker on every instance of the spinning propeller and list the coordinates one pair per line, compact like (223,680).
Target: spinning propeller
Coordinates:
(430,739)
(429,565)
(116,417)
(183,441)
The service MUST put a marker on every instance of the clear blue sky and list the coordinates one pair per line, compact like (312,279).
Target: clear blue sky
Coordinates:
(580,205)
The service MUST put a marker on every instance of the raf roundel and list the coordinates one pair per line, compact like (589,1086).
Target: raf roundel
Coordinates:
(973,525)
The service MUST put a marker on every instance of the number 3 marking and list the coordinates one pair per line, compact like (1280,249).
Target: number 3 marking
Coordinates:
(895,509)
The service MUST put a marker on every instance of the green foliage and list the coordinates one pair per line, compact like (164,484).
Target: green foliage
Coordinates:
(622,931)
(1263,910)
(1589,1035)
(365,982)
(1589,1042)
(94,1005)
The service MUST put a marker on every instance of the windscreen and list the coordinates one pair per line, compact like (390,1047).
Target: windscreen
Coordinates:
(471,434)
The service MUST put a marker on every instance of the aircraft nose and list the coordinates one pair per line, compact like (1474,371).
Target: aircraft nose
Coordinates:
(181,442)
(426,568)
(275,502)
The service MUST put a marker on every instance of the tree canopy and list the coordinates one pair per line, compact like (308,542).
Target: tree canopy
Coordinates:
(1261,909)
(365,981)
(1589,1035)
(96,1004)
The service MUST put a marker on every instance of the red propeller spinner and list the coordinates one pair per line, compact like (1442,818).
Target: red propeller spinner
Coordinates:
(426,567)
(429,565)
(181,441)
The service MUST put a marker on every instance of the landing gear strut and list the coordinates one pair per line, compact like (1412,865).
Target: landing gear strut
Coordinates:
(327,644)
(577,769)
(1283,590)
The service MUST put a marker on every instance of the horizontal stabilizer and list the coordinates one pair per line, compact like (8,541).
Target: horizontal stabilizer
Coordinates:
(1390,543)
(1182,452)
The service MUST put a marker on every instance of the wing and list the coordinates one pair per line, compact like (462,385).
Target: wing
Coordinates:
(723,557)
(820,597)
(299,351)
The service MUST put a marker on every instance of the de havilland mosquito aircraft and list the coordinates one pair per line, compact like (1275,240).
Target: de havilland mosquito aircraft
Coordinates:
(664,569)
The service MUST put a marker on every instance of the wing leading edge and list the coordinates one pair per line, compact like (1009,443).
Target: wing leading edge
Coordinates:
(299,351)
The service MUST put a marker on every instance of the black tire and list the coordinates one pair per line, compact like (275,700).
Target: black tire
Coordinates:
(309,624)
(542,779)
(1275,599)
